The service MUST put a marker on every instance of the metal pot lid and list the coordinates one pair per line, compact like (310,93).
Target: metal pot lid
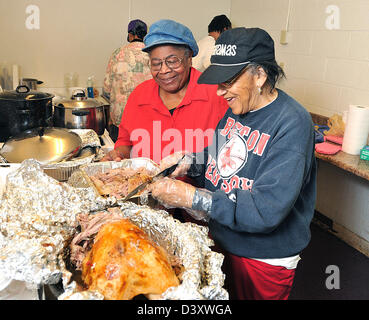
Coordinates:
(25,80)
(22,93)
(79,100)
(46,145)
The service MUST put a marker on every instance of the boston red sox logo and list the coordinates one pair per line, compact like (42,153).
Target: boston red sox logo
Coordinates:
(232,157)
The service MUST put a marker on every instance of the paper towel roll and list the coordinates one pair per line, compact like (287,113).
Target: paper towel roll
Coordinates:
(356,130)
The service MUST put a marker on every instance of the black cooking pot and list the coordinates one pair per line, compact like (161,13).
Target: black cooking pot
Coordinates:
(23,109)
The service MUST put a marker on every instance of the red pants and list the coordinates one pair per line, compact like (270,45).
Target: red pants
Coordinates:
(250,279)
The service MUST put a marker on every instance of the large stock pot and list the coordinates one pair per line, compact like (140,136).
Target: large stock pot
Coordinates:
(23,109)
(80,112)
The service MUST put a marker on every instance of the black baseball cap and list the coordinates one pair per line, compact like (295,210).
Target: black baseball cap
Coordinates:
(234,49)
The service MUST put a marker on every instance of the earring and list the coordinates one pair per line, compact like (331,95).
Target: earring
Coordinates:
(259,90)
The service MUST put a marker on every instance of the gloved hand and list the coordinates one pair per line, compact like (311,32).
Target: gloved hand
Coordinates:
(172,159)
(173,193)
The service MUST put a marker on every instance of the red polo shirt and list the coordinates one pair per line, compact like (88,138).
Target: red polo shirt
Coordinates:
(153,132)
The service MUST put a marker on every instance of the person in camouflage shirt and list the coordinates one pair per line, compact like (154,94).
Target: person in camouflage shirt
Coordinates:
(128,66)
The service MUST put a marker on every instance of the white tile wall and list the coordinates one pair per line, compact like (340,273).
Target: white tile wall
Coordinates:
(327,70)
(79,36)
(306,15)
(309,67)
(300,42)
(322,94)
(352,96)
(359,46)
(343,72)
(354,14)
(331,43)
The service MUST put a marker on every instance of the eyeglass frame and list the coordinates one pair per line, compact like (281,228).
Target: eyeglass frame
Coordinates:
(229,83)
(166,63)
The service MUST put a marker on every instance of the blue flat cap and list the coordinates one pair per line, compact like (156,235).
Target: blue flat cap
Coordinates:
(170,32)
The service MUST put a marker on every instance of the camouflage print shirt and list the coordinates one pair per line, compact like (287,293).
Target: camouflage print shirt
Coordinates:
(128,66)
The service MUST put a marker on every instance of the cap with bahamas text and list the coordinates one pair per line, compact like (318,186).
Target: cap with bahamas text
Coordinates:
(234,49)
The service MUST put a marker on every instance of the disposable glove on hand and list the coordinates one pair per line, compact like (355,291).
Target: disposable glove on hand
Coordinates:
(173,193)
(173,159)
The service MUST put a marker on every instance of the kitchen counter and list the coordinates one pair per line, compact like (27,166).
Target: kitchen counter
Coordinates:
(342,159)
(342,195)
(347,162)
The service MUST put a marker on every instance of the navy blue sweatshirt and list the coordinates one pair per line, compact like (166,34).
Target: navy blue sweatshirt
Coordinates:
(261,168)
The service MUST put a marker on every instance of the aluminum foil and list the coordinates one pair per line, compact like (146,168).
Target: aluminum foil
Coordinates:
(90,141)
(136,163)
(81,177)
(37,217)
(188,243)
(38,221)
(89,137)
(63,170)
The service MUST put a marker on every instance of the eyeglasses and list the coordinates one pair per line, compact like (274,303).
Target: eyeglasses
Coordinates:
(172,62)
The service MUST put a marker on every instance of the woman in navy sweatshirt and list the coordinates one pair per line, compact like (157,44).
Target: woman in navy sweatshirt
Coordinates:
(258,177)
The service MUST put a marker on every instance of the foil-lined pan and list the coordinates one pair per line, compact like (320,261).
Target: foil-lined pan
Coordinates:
(188,243)
(81,178)
(88,136)
(90,150)
(38,219)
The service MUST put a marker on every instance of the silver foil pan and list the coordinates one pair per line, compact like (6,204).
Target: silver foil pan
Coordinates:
(63,170)
(90,151)
(38,219)
(81,177)
(188,243)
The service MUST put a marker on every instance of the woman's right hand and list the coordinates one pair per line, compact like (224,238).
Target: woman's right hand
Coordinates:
(118,154)
(174,158)
(173,193)
(112,155)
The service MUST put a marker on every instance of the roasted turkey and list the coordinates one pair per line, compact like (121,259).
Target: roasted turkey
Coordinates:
(124,262)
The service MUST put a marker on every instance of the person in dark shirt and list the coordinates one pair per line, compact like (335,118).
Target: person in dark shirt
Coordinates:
(258,178)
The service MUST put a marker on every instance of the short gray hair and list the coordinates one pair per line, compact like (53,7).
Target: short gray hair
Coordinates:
(273,71)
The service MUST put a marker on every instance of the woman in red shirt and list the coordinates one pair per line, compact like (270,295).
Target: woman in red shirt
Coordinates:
(170,112)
